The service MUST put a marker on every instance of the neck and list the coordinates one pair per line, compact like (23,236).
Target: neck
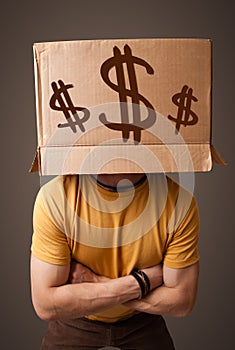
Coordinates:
(125,181)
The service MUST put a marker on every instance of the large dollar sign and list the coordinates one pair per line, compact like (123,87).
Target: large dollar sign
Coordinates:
(183,100)
(125,126)
(65,104)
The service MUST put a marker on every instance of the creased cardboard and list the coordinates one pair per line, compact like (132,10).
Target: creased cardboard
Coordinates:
(123,106)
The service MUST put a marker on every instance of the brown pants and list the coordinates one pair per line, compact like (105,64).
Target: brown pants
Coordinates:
(140,332)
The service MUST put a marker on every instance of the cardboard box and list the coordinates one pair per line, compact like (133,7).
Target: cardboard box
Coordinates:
(118,106)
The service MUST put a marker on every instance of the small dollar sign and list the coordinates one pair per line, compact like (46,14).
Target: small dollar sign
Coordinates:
(61,96)
(125,126)
(183,100)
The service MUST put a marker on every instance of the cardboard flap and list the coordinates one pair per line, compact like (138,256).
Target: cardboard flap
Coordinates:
(155,158)
(125,159)
(216,157)
(35,166)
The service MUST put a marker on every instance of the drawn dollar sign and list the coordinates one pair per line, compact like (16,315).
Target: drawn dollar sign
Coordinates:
(125,126)
(183,100)
(61,96)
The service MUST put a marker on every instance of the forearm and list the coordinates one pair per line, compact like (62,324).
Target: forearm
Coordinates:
(74,291)
(78,300)
(175,298)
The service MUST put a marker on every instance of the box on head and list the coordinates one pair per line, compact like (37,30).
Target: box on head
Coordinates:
(119,106)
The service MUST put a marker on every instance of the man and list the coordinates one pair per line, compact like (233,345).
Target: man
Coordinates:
(110,254)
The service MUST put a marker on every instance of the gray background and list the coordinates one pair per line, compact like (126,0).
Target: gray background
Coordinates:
(210,326)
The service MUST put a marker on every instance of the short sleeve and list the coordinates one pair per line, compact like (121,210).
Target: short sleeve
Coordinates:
(49,242)
(182,249)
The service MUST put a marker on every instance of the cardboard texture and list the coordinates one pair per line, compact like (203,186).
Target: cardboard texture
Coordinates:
(118,106)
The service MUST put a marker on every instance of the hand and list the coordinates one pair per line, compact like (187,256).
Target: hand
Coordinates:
(80,273)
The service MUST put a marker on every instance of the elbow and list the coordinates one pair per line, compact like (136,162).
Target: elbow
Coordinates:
(186,304)
(183,312)
(185,309)
(45,314)
(44,306)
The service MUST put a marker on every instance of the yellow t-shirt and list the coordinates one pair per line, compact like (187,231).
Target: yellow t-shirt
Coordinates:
(112,233)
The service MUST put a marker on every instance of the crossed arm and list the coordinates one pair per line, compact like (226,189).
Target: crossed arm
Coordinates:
(173,291)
